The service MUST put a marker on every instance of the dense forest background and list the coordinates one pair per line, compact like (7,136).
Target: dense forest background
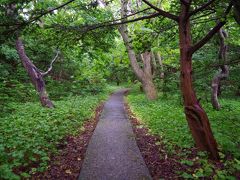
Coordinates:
(70,55)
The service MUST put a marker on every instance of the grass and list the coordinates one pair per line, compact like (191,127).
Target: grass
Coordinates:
(165,118)
(31,133)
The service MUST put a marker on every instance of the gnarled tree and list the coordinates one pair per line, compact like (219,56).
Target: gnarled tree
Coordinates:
(35,74)
(144,74)
(224,70)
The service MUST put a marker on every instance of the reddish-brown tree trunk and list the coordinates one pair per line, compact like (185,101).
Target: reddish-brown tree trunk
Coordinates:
(195,114)
(34,74)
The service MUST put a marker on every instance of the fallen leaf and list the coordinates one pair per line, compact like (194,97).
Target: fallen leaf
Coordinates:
(68,171)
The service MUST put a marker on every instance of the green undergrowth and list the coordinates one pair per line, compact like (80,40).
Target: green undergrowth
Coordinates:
(31,133)
(165,118)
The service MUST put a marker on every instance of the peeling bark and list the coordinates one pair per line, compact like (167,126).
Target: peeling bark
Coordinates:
(34,74)
(223,74)
(195,114)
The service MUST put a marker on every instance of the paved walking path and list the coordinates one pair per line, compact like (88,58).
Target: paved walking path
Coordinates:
(112,153)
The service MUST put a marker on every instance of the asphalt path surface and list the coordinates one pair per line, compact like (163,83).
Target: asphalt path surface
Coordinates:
(112,153)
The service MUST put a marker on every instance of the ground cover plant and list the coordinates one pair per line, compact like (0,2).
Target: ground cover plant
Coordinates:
(31,133)
(165,118)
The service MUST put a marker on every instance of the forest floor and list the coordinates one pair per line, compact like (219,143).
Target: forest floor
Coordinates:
(114,145)
(111,142)
(67,164)
(34,140)
(159,162)
(110,146)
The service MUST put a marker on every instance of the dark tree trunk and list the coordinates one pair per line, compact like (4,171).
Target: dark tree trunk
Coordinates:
(118,81)
(219,89)
(238,91)
(223,74)
(195,114)
(34,74)
(236,10)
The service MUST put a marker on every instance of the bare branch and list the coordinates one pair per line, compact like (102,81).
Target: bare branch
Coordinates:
(195,11)
(204,40)
(51,64)
(162,12)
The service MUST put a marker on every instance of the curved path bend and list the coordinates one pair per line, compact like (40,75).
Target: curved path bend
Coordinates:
(112,153)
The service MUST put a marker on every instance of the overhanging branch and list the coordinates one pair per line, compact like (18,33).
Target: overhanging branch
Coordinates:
(162,12)
(86,28)
(204,40)
(212,32)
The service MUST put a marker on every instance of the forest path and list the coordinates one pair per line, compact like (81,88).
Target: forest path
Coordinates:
(112,153)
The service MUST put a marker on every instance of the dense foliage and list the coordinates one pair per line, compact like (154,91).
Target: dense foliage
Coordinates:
(93,55)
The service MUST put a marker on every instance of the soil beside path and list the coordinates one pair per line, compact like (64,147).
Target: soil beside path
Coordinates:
(112,152)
